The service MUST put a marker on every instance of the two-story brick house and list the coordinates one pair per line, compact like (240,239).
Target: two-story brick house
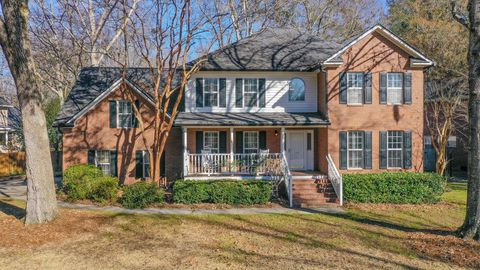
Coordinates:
(279,104)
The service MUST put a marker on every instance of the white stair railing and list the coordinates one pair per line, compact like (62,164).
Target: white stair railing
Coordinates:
(335,178)
(287,176)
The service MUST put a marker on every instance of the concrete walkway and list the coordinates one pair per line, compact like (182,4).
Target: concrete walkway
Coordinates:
(16,188)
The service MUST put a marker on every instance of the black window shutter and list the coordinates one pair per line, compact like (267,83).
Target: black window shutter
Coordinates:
(199,92)
(138,164)
(134,118)
(383,88)
(223,141)
(239,93)
(113,163)
(407,149)
(91,157)
(343,150)
(239,142)
(343,88)
(199,142)
(367,88)
(367,150)
(262,140)
(407,88)
(113,113)
(261,93)
(222,95)
(383,150)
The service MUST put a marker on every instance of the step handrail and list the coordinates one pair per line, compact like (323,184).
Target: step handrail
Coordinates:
(335,178)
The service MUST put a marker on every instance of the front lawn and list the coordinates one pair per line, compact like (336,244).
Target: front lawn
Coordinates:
(366,236)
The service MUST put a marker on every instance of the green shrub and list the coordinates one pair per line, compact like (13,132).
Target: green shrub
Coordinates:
(141,195)
(246,192)
(82,182)
(393,187)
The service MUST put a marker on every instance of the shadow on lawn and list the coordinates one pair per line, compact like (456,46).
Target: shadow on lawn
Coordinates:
(11,210)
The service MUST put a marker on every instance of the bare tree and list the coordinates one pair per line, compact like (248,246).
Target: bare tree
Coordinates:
(446,114)
(165,39)
(15,42)
(471,226)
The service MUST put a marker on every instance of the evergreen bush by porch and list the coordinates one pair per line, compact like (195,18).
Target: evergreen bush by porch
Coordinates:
(86,182)
(141,195)
(393,187)
(234,192)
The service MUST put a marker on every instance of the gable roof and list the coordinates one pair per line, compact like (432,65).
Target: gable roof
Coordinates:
(417,59)
(273,49)
(95,83)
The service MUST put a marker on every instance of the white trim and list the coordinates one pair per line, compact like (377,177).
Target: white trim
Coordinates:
(258,127)
(226,177)
(387,34)
(105,94)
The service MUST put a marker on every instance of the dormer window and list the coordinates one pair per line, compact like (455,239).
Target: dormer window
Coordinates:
(3,138)
(296,90)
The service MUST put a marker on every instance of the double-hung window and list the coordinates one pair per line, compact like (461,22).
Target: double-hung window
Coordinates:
(355,149)
(145,164)
(250,142)
(211,141)
(354,88)
(250,92)
(125,114)
(394,88)
(394,149)
(210,92)
(103,161)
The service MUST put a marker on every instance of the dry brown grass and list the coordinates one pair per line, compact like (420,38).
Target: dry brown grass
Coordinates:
(366,237)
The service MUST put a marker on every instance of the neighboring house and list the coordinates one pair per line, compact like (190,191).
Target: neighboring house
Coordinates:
(276,103)
(9,124)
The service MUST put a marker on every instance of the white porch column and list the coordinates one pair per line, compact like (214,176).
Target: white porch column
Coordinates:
(185,152)
(231,150)
(282,147)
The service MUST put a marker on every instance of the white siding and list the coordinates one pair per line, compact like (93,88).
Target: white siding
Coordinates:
(276,85)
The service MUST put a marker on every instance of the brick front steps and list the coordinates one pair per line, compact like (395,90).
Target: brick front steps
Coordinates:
(314,192)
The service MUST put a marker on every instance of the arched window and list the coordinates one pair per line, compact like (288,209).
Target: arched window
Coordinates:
(296,91)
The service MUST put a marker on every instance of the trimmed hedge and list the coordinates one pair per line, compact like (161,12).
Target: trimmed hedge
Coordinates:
(245,192)
(141,195)
(393,187)
(81,182)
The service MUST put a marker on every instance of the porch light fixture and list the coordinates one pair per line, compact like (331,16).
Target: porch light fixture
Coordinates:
(276,132)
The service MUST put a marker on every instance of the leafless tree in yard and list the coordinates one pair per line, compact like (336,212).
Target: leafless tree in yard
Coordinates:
(446,114)
(15,43)
(68,35)
(165,38)
(471,226)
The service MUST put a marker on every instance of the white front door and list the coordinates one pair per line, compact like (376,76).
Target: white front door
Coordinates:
(296,148)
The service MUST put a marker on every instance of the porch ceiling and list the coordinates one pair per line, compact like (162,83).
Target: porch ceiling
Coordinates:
(251,119)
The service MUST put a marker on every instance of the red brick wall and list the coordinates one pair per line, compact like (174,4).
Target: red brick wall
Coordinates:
(92,131)
(374,54)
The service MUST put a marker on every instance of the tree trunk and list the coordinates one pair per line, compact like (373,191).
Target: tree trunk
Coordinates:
(41,199)
(470,228)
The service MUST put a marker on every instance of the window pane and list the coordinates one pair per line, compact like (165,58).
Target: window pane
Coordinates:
(103,161)
(394,149)
(146,164)
(394,88)
(296,90)
(210,141)
(355,88)
(211,92)
(250,90)
(250,141)
(355,149)
(125,114)
(3,138)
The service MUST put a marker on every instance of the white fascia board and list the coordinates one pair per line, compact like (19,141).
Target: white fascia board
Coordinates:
(387,34)
(105,94)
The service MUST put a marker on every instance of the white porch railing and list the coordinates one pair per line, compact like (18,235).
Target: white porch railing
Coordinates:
(223,164)
(335,178)
(287,177)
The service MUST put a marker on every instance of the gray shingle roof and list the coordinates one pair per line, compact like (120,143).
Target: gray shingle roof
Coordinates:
(3,102)
(250,119)
(277,49)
